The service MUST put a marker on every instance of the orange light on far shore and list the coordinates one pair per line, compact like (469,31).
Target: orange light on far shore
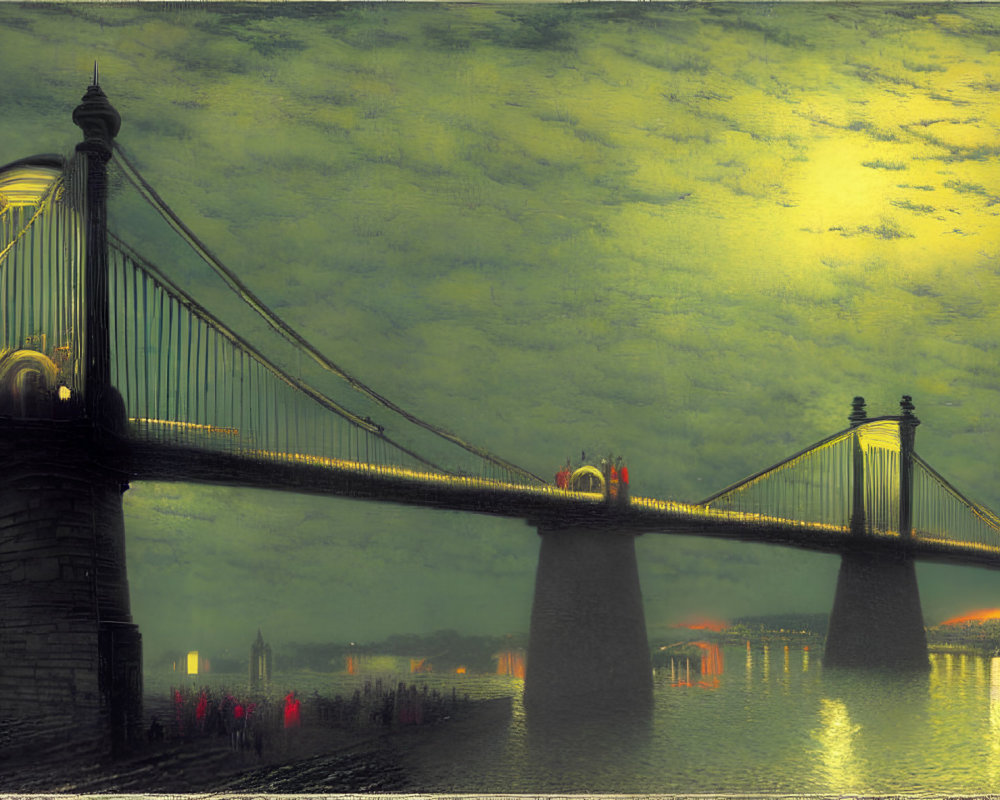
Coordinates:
(703,625)
(975,616)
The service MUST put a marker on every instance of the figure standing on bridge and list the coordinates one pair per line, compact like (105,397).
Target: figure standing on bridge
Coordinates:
(622,480)
(562,476)
(610,478)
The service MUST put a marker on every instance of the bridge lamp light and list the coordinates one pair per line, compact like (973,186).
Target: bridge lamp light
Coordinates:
(192,662)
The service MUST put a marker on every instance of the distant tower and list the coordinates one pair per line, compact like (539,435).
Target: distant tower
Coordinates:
(260,661)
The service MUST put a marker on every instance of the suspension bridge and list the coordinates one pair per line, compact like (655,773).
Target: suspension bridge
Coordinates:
(112,371)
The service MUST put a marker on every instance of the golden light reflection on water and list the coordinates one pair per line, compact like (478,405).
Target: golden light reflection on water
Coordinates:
(993,764)
(749,668)
(934,678)
(963,669)
(836,736)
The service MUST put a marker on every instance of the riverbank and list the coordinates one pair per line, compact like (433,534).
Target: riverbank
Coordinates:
(315,758)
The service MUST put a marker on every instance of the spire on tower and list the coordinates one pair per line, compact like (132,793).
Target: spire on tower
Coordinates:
(96,116)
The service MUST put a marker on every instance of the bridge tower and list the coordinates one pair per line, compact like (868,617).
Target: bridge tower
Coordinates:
(587,646)
(876,619)
(71,655)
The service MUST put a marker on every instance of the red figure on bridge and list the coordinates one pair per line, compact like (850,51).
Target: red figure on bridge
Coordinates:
(562,477)
(622,481)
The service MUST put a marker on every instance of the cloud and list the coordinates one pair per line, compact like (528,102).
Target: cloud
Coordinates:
(687,234)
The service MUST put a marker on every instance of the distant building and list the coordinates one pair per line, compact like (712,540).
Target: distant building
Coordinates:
(260,661)
(374,663)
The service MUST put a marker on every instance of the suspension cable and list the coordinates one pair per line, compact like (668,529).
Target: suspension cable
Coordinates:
(990,519)
(280,326)
(199,311)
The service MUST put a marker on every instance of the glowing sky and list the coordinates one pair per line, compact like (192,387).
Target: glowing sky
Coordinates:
(688,234)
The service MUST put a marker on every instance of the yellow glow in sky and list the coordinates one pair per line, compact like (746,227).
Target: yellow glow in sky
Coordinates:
(25,185)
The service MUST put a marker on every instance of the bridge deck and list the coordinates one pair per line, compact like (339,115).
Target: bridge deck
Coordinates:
(544,506)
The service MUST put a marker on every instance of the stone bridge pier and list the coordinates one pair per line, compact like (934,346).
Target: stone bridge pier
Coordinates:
(71,656)
(876,619)
(587,648)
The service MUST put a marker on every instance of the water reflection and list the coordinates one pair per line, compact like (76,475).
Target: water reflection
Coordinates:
(712,665)
(704,673)
(890,711)
(832,732)
(836,736)
(749,668)
(994,737)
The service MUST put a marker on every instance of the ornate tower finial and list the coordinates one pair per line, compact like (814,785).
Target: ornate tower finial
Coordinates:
(96,116)
(906,407)
(858,413)
(95,83)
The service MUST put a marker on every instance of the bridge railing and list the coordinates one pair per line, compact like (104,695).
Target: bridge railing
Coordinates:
(186,378)
(41,269)
(941,513)
(818,484)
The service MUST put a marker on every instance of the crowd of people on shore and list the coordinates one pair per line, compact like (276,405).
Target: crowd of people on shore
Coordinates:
(247,723)
(377,706)
(258,722)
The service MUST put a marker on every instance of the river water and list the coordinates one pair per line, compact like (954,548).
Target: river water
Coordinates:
(768,720)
